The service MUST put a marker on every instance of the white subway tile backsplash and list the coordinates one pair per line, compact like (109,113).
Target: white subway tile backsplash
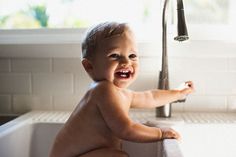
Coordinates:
(145,81)
(202,49)
(72,65)
(149,49)
(31,65)
(149,65)
(48,50)
(205,103)
(26,103)
(232,64)
(52,83)
(197,64)
(14,83)
(220,83)
(5,104)
(82,82)
(59,83)
(210,83)
(4,65)
(232,103)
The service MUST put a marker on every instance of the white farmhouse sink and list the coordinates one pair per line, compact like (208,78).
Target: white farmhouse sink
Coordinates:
(32,135)
(203,135)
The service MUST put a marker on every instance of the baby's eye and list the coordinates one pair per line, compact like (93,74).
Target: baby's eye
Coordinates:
(133,56)
(114,56)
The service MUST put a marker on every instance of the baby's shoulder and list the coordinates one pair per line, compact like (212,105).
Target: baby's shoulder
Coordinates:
(104,86)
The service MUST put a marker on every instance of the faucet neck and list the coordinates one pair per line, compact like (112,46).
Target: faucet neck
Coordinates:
(182,35)
(165,111)
(164,77)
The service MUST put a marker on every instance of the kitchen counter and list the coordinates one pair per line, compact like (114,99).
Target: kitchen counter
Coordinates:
(142,116)
(184,117)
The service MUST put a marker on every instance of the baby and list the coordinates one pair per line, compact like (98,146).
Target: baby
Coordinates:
(100,122)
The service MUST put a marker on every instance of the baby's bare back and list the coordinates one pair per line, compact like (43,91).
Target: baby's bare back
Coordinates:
(84,131)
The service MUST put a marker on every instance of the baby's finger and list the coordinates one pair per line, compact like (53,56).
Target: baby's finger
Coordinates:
(177,136)
(189,84)
(174,134)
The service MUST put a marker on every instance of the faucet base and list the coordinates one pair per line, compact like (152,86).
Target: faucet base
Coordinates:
(164,111)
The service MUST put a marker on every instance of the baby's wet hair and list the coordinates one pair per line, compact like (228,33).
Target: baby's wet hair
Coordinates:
(100,32)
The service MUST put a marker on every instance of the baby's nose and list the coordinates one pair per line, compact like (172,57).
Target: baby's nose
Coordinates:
(124,61)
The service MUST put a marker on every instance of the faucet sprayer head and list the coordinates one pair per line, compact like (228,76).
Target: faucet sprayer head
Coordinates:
(181,38)
(181,24)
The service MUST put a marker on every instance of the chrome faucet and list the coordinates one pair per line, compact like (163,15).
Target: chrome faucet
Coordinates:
(165,111)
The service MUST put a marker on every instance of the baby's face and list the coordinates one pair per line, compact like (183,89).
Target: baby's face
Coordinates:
(116,60)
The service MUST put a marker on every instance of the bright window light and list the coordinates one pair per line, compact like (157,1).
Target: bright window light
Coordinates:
(24,14)
(144,16)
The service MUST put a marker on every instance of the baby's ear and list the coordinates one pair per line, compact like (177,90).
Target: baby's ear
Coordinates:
(87,65)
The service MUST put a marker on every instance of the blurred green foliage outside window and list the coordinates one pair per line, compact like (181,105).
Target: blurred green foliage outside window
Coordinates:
(30,14)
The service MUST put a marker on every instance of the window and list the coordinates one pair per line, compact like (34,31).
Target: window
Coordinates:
(74,13)
(206,19)
(208,11)
(210,19)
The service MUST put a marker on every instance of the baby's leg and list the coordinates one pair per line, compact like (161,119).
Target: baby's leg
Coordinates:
(103,152)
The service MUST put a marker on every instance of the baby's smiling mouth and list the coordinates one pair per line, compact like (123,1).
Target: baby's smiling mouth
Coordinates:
(123,73)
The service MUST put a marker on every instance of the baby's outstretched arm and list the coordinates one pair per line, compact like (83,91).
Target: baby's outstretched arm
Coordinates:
(155,98)
(114,107)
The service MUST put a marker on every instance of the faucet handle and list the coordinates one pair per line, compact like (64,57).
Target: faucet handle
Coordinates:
(180,100)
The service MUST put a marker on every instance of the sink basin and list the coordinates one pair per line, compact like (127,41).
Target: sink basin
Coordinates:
(208,140)
(203,134)
(38,139)
(38,130)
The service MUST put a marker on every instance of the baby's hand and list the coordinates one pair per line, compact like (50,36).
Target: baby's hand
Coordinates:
(186,88)
(168,133)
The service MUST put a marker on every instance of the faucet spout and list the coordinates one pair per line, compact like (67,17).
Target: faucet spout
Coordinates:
(165,111)
(181,25)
